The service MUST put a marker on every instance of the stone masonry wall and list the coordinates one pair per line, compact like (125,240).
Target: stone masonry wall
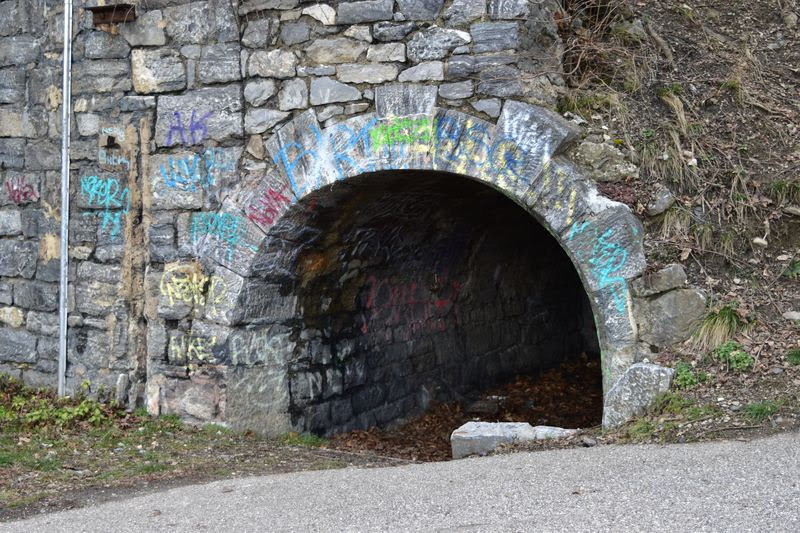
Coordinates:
(184,236)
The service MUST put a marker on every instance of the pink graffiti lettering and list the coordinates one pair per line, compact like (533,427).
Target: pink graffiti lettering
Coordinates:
(19,191)
(268,206)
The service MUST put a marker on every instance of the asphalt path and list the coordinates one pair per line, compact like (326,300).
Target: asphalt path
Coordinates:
(719,486)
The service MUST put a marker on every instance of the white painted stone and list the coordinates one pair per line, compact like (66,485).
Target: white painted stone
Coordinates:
(480,438)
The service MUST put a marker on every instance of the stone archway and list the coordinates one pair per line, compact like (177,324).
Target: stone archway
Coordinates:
(519,156)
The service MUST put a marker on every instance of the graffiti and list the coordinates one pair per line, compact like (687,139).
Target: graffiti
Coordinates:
(187,284)
(19,191)
(113,158)
(196,171)
(402,131)
(185,349)
(224,227)
(262,346)
(107,194)
(410,304)
(606,258)
(266,207)
(197,129)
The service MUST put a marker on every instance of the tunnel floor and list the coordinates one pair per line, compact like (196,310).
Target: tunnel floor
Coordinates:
(569,395)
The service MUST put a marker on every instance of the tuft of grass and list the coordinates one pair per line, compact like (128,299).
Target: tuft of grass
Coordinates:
(793,356)
(303,439)
(670,403)
(785,190)
(718,326)
(675,223)
(733,356)
(761,410)
(642,429)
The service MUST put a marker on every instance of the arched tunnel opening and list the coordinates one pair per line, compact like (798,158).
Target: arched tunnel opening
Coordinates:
(421,288)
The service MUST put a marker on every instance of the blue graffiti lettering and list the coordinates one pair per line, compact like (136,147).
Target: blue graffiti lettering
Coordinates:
(106,194)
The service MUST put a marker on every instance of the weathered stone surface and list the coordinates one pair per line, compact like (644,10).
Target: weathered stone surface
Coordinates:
(490,106)
(258,92)
(273,64)
(261,120)
(480,438)
(10,222)
(12,316)
(404,99)
(464,11)
(321,12)
(17,345)
(12,153)
(248,6)
(390,31)
(435,43)
(326,91)
(339,50)
(101,45)
(18,50)
(189,23)
(500,81)
(454,91)
(662,200)
(634,392)
(360,33)
(293,95)
(671,317)
(101,75)
(364,11)
(605,162)
(18,258)
(36,295)
(670,277)
(387,52)
(494,36)
(791,315)
(294,32)
(366,73)
(508,9)
(420,9)
(42,155)
(42,323)
(258,33)
(426,71)
(12,85)
(157,71)
(211,113)
(146,30)
(219,63)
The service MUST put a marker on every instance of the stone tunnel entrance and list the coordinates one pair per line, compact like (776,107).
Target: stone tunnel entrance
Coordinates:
(416,287)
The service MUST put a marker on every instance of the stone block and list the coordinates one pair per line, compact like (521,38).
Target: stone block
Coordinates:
(480,438)
(391,31)
(387,52)
(293,95)
(12,316)
(420,9)
(101,76)
(18,258)
(462,12)
(146,30)
(260,120)
(458,90)
(279,64)
(36,295)
(12,85)
(295,33)
(103,45)
(670,277)
(326,90)
(17,346)
(191,118)
(404,99)
(435,43)
(219,63)
(157,71)
(508,9)
(248,6)
(364,11)
(96,298)
(43,155)
(366,73)
(258,33)
(504,82)
(189,23)
(18,50)
(42,323)
(10,222)
(259,91)
(634,392)
(334,51)
(671,317)
(494,36)
(12,154)
(425,71)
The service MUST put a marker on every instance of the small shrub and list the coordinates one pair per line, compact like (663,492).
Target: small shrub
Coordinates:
(793,356)
(685,377)
(670,403)
(734,356)
(303,439)
(793,270)
(761,410)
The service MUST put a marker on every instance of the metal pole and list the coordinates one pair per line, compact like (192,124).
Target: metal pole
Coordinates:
(66,100)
